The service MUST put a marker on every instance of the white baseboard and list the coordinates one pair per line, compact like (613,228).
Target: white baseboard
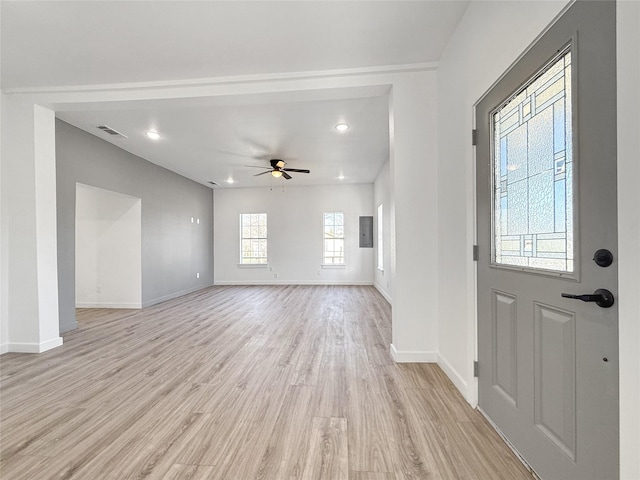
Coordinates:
(408,356)
(4,348)
(386,296)
(171,296)
(19,347)
(260,284)
(108,305)
(458,380)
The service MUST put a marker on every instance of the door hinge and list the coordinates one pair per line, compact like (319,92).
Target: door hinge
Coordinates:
(474,137)
(475,369)
(475,253)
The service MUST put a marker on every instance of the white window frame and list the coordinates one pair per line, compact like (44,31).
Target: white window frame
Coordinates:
(254,260)
(380,229)
(332,264)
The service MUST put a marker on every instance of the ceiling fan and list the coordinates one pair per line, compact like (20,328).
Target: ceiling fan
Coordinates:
(277,169)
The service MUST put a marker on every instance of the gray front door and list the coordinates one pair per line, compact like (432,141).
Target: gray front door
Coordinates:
(546,197)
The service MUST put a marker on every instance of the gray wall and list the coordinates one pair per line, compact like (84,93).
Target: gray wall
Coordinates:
(173,249)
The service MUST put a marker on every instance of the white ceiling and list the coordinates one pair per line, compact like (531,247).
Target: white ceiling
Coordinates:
(49,43)
(214,143)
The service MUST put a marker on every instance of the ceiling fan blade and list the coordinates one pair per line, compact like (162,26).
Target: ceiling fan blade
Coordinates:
(295,170)
(286,175)
(262,173)
(257,166)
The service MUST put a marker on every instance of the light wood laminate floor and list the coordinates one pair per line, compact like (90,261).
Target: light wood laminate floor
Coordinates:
(239,383)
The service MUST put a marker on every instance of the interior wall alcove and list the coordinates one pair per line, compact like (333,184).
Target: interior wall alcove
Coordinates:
(108,249)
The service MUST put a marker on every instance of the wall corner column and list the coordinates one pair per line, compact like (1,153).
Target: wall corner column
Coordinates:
(413,145)
(29,251)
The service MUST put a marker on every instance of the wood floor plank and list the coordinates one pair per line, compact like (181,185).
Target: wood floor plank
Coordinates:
(23,466)
(488,456)
(189,472)
(327,457)
(138,451)
(369,419)
(354,475)
(285,454)
(21,439)
(368,414)
(330,393)
(412,458)
(240,383)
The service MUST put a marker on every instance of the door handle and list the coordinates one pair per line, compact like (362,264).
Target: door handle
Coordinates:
(603,298)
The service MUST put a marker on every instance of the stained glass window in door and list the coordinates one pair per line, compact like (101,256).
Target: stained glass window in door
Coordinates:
(533,173)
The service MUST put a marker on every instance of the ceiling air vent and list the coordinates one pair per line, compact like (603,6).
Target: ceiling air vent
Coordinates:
(111,131)
(212,182)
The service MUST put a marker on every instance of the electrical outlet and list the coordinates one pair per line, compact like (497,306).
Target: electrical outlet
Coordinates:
(198,275)
(198,221)
(191,219)
(275,275)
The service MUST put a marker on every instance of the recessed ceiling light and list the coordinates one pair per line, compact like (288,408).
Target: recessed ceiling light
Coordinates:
(152,135)
(229,180)
(342,127)
(341,177)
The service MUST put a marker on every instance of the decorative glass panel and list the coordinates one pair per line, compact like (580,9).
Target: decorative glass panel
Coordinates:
(533,174)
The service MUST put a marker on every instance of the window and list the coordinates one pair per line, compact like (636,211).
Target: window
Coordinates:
(533,174)
(333,238)
(380,250)
(253,238)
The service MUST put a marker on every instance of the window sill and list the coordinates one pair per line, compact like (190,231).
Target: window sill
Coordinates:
(333,265)
(253,265)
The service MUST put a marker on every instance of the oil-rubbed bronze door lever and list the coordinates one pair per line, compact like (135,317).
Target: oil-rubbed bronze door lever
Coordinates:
(603,298)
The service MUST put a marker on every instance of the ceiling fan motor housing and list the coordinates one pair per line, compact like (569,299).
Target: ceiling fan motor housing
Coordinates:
(276,163)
